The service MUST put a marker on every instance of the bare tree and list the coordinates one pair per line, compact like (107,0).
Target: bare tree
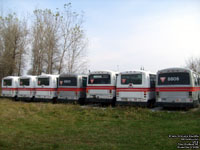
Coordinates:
(72,42)
(45,39)
(13,41)
(59,42)
(193,63)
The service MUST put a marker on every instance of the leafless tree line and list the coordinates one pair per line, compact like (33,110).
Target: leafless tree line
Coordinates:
(193,63)
(55,41)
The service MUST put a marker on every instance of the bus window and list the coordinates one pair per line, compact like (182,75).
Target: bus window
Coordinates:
(99,79)
(7,82)
(152,80)
(67,81)
(25,82)
(131,78)
(43,81)
(84,81)
(175,78)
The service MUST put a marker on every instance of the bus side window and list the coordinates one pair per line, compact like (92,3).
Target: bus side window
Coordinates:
(152,80)
(84,81)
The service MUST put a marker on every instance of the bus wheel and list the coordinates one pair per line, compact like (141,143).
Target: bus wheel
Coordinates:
(54,100)
(81,101)
(16,99)
(150,103)
(32,99)
(113,102)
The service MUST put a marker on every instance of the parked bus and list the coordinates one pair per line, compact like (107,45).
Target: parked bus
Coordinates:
(72,88)
(26,88)
(101,87)
(136,88)
(9,86)
(177,87)
(46,87)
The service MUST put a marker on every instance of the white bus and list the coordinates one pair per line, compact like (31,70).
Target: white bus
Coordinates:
(46,87)
(9,86)
(136,88)
(26,88)
(177,87)
(101,87)
(72,88)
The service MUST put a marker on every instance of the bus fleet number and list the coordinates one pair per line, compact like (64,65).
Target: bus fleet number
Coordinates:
(173,78)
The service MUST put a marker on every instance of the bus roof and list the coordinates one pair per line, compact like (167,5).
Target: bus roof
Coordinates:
(47,75)
(103,71)
(71,75)
(27,76)
(177,69)
(11,77)
(137,71)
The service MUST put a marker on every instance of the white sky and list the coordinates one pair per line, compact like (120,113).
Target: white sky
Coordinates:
(127,34)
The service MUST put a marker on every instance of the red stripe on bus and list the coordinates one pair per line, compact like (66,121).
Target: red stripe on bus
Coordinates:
(101,88)
(135,89)
(46,89)
(9,89)
(71,89)
(177,89)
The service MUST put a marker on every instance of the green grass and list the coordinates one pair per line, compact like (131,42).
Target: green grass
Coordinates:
(45,126)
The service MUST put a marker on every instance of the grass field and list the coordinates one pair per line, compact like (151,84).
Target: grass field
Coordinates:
(44,126)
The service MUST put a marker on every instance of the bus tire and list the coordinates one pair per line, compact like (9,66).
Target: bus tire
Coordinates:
(150,103)
(113,102)
(54,100)
(81,101)
(15,98)
(32,99)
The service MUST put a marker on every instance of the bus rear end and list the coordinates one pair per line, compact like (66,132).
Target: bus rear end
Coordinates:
(26,89)
(101,87)
(46,88)
(71,88)
(9,87)
(135,88)
(176,87)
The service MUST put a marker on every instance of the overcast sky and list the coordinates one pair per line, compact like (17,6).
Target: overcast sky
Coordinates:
(127,34)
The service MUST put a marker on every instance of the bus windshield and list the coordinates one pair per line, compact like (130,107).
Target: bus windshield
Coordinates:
(43,81)
(99,79)
(67,81)
(7,82)
(131,78)
(174,78)
(25,82)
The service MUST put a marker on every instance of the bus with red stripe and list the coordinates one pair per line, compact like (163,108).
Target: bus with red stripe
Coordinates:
(101,87)
(9,86)
(136,87)
(26,88)
(177,87)
(46,87)
(72,88)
